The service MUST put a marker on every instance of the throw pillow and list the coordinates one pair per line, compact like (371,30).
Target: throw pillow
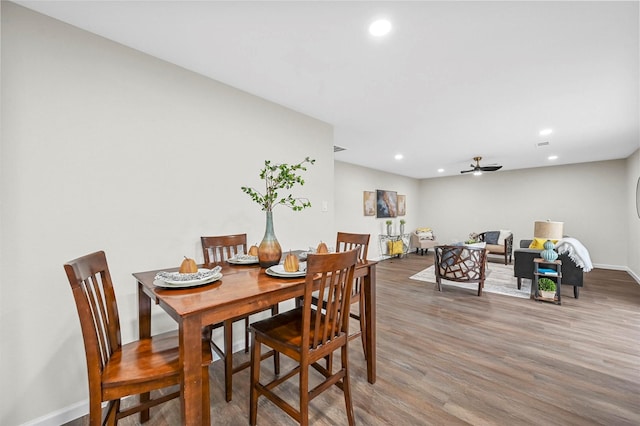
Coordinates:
(491,237)
(394,247)
(538,243)
(425,235)
(503,235)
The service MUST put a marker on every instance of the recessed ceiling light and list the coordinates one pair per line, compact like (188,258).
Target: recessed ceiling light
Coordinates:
(440,170)
(552,157)
(380,28)
(546,132)
(398,157)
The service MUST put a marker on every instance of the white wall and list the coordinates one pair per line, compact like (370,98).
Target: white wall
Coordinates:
(633,175)
(350,183)
(590,199)
(107,148)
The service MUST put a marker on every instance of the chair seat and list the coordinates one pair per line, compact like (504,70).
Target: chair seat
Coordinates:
(283,332)
(141,364)
(495,248)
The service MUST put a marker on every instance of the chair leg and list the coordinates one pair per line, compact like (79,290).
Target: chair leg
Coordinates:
(144,414)
(255,377)
(113,408)
(576,291)
(346,385)
(304,395)
(246,334)
(276,355)
(228,359)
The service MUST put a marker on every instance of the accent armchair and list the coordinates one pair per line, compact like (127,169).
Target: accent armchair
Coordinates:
(465,264)
(423,239)
(498,242)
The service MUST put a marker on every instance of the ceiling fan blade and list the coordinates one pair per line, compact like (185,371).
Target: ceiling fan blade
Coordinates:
(467,171)
(490,168)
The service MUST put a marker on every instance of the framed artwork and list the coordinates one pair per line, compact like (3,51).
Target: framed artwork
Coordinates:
(402,205)
(386,203)
(369,203)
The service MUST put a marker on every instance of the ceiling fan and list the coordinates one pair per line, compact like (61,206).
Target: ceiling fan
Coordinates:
(477,169)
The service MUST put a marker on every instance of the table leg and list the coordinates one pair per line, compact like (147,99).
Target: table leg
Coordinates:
(144,332)
(370,320)
(191,361)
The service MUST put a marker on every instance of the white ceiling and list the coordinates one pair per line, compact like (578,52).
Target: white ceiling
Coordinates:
(453,80)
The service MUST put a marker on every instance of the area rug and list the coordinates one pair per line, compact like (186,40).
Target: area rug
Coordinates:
(499,280)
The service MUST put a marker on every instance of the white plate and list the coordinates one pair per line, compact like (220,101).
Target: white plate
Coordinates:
(278,271)
(243,259)
(187,284)
(202,276)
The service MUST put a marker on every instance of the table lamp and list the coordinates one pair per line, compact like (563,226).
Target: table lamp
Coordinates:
(547,230)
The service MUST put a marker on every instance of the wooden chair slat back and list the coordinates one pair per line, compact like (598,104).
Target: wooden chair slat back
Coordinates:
(95,299)
(216,250)
(346,241)
(334,273)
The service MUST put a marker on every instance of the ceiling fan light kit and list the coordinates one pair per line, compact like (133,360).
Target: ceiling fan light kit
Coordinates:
(477,169)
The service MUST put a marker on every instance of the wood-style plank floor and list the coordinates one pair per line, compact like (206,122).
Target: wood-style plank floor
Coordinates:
(452,358)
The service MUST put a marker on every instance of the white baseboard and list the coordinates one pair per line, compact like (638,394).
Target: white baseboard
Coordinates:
(61,416)
(612,267)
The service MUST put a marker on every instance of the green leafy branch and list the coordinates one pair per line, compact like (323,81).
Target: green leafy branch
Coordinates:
(276,177)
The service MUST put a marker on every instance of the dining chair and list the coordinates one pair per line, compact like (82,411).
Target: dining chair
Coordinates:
(216,250)
(344,242)
(307,334)
(117,370)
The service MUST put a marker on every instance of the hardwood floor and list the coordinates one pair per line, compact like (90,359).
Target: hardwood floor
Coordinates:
(453,358)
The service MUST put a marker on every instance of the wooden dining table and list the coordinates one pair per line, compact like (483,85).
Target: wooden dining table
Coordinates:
(241,290)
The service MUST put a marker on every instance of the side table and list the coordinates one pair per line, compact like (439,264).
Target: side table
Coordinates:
(547,269)
(384,241)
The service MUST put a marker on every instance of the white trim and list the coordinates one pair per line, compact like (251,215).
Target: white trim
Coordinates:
(61,416)
(612,267)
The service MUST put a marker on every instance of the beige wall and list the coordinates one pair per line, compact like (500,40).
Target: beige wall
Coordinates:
(350,183)
(633,237)
(583,196)
(107,148)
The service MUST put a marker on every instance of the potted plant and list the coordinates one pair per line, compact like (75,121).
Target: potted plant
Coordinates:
(389,223)
(473,238)
(277,177)
(402,222)
(547,288)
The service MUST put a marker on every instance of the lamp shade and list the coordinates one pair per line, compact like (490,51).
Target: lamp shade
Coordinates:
(548,230)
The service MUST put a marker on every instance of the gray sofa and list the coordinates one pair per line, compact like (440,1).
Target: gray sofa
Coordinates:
(572,274)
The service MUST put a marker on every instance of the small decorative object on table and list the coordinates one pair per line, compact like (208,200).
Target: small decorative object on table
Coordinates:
(551,232)
(473,238)
(402,222)
(547,288)
(389,223)
(277,176)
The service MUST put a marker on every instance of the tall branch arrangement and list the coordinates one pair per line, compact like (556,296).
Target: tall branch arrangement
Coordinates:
(280,176)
